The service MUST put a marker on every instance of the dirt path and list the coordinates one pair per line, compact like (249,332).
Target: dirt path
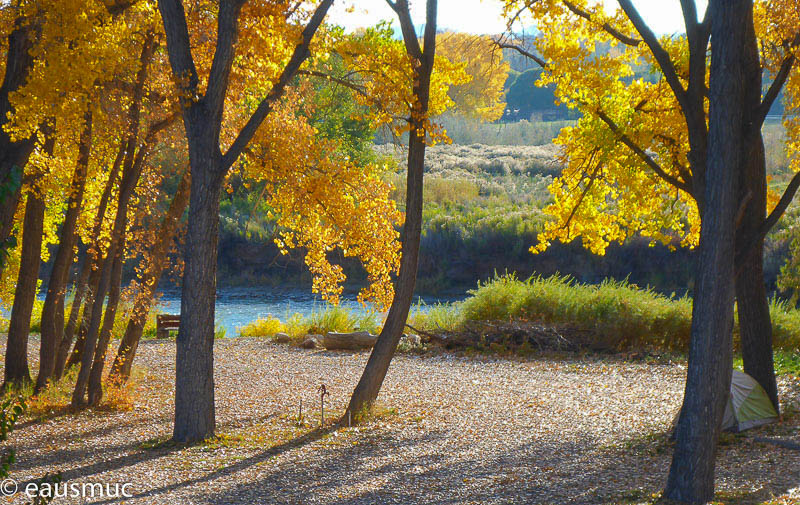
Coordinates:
(453,431)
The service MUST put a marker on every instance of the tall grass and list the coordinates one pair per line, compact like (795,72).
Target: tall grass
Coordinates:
(319,322)
(620,314)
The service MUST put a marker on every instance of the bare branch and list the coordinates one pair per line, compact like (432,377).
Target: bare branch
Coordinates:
(523,52)
(783,204)
(777,84)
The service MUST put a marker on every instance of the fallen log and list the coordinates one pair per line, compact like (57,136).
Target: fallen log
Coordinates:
(355,341)
(786,444)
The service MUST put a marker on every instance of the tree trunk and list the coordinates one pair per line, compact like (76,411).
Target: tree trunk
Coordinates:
(366,392)
(131,170)
(95,392)
(52,323)
(755,325)
(121,368)
(85,318)
(194,365)
(130,177)
(88,279)
(691,476)
(194,379)
(17,372)
(13,154)
(62,350)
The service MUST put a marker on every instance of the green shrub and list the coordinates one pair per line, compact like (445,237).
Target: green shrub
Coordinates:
(439,317)
(338,319)
(621,314)
(785,325)
(219,331)
(36,316)
(262,327)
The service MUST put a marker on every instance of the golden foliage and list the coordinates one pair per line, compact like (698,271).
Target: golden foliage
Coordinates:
(608,192)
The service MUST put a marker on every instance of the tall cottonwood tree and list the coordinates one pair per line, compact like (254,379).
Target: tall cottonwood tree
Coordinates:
(203,112)
(154,264)
(16,372)
(731,123)
(423,58)
(52,320)
(14,152)
(637,159)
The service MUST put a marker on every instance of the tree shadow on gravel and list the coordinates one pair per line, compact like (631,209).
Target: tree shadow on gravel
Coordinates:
(134,451)
(406,465)
(381,470)
(240,465)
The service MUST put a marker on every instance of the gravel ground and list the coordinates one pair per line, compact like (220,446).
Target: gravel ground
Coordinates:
(451,430)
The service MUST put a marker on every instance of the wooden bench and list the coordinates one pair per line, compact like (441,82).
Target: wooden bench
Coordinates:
(166,322)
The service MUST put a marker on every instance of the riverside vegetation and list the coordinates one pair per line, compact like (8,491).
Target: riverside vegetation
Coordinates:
(614,316)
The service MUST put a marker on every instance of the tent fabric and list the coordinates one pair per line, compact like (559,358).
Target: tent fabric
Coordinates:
(748,405)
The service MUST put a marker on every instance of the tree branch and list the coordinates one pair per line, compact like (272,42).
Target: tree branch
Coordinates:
(179,49)
(300,54)
(777,84)
(157,126)
(783,204)
(661,56)
(117,7)
(227,35)
(643,154)
(429,37)
(523,52)
(586,189)
(625,39)
(407,27)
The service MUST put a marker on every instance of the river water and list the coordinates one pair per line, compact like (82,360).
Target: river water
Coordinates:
(236,307)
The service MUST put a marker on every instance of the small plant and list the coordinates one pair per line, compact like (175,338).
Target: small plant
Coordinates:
(55,398)
(339,319)
(10,411)
(119,396)
(262,327)
(219,331)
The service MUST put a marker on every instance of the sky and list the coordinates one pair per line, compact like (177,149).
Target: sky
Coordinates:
(484,16)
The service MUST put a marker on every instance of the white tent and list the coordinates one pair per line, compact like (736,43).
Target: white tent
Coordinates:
(748,405)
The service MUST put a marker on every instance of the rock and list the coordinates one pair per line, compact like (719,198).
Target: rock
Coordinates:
(311,342)
(281,338)
(411,340)
(349,341)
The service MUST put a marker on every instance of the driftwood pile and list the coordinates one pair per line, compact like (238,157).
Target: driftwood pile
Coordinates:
(479,335)
(332,341)
(513,335)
